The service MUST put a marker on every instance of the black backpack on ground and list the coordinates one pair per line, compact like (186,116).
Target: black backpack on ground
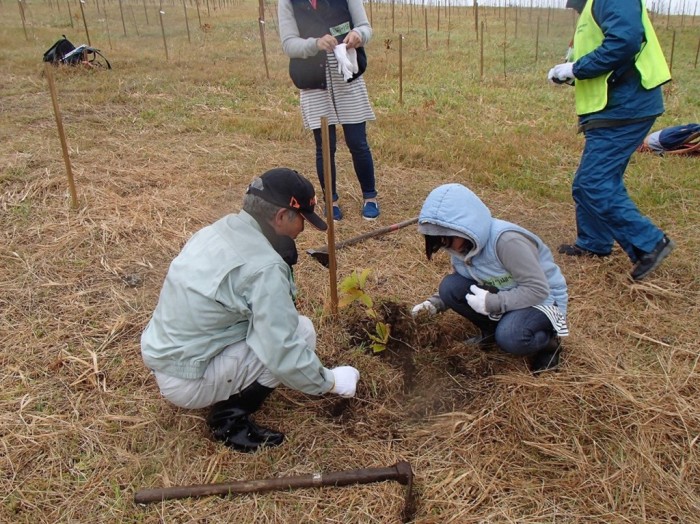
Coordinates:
(64,52)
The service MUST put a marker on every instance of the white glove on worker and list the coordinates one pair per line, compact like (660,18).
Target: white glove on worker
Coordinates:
(424,308)
(347,61)
(477,299)
(346,378)
(562,73)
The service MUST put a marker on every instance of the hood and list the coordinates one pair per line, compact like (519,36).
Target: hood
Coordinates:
(456,208)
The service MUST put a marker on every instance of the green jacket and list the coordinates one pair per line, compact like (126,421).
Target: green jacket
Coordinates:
(228,284)
(592,93)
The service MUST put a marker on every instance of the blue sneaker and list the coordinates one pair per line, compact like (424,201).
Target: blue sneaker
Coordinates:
(370,211)
(337,213)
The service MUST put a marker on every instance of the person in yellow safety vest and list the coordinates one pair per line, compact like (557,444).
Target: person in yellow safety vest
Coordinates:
(617,71)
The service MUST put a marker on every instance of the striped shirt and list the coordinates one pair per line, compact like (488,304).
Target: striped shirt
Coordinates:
(343,102)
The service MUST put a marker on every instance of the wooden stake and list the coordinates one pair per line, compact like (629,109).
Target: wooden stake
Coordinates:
(61,134)
(121,11)
(425,11)
(187,22)
(82,13)
(21,14)
(162,30)
(537,39)
(199,16)
(673,47)
(70,15)
(481,52)
(104,10)
(400,69)
(145,12)
(261,24)
(328,185)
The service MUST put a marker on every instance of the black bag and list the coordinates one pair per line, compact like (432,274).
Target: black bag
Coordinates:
(64,52)
(57,51)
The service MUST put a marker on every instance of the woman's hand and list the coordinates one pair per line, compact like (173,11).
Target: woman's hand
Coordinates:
(326,43)
(353,39)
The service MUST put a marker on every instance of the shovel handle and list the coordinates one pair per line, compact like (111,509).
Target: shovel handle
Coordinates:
(400,472)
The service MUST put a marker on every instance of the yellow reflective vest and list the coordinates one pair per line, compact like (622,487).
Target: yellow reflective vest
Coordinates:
(592,93)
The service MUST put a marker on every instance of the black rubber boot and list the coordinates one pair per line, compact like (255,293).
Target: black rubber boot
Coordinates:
(548,358)
(230,423)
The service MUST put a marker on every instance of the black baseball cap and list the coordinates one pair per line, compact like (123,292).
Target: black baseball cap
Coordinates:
(286,188)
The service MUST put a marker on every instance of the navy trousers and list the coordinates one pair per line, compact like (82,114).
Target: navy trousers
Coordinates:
(520,332)
(356,140)
(605,213)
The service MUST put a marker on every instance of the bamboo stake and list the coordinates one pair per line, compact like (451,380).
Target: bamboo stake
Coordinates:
(121,12)
(261,25)
(133,18)
(481,52)
(425,11)
(400,69)
(104,10)
(537,39)
(328,185)
(82,13)
(21,14)
(70,15)
(187,22)
(61,135)
(162,30)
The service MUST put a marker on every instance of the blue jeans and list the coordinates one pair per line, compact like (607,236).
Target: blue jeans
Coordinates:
(605,212)
(356,140)
(520,332)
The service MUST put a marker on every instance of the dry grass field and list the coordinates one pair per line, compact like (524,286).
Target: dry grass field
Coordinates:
(161,146)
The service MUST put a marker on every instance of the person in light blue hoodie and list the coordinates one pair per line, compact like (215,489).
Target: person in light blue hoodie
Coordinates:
(505,280)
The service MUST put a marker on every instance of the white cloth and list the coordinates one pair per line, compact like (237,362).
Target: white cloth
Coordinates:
(347,61)
(229,372)
(342,102)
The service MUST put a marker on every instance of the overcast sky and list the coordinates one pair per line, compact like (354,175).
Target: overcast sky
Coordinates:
(690,7)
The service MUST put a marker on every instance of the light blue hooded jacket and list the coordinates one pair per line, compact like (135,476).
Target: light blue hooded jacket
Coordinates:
(455,207)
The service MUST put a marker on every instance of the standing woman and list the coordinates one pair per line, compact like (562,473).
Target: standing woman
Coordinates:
(311,33)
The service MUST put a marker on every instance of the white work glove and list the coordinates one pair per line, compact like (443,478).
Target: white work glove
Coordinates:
(477,299)
(347,61)
(345,378)
(427,308)
(562,73)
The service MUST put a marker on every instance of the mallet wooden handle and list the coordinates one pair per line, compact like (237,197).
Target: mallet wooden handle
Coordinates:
(400,472)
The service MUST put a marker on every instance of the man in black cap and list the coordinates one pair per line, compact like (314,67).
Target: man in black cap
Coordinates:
(226,331)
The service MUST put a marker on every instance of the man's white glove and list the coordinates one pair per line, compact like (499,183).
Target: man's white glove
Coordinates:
(347,61)
(562,73)
(427,308)
(477,299)
(345,378)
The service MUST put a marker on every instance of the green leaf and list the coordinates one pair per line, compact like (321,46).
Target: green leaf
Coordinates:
(378,348)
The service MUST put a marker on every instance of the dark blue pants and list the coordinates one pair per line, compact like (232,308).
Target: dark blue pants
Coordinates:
(605,212)
(356,140)
(520,332)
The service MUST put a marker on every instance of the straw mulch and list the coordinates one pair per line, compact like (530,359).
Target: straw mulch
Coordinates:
(611,437)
